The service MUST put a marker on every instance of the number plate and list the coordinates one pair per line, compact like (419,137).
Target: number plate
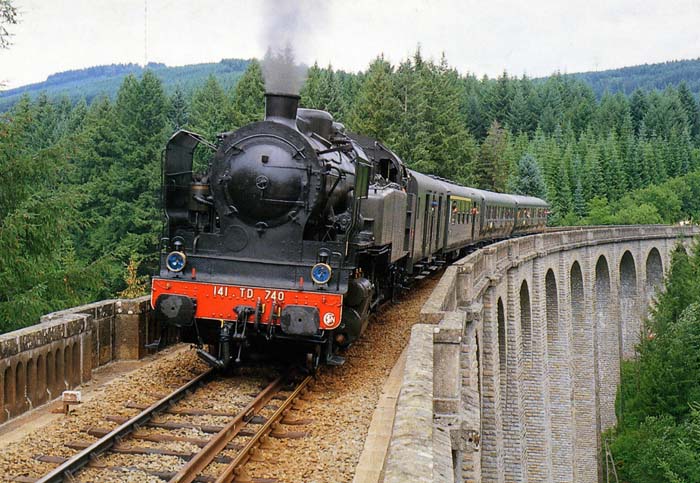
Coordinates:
(216,301)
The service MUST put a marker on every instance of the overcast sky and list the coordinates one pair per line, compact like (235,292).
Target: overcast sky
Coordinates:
(536,37)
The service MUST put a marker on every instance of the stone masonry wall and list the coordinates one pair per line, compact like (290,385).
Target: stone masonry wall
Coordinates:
(39,362)
(519,356)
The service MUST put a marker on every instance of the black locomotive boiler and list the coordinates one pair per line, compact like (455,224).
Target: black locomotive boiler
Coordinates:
(297,230)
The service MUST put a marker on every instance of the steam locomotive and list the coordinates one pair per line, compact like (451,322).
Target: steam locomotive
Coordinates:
(298,229)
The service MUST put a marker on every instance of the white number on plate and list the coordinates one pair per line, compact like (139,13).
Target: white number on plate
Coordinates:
(276,295)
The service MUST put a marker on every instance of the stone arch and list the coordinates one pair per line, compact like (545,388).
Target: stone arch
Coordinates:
(654,272)
(51,374)
(20,386)
(629,314)
(531,392)
(493,397)
(607,349)
(585,419)
(31,383)
(525,321)
(9,392)
(559,383)
(76,364)
(502,343)
(68,366)
(41,378)
(477,339)
(552,302)
(60,374)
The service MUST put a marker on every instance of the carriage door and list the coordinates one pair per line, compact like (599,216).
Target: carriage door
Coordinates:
(426,226)
(438,244)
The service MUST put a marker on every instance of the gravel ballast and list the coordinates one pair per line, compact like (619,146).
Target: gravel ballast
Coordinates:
(342,402)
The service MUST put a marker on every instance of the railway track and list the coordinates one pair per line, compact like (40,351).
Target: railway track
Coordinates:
(222,449)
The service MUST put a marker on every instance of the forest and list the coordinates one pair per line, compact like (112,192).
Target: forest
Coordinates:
(647,76)
(657,438)
(80,215)
(93,82)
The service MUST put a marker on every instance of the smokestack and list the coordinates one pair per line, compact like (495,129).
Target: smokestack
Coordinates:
(281,108)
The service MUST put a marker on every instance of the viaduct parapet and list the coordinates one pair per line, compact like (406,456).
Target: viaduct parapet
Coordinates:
(41,361)
(513,375)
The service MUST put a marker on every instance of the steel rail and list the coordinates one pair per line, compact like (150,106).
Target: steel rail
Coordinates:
(67,470)
(229,473)
(218,443)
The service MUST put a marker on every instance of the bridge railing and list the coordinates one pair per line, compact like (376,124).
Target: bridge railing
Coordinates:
(443,353)
(41,361)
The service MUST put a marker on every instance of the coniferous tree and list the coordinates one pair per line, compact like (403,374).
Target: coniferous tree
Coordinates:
(127,193)
(498,98)
(519,118)
(691,108)
(249,96)
(579,201)
(491,170)
(210,111)
(562,199)
(638,109)
(76,118)
(527,179)
(178,114)
(311,91)
(377,107)
(331,98)
(38,210)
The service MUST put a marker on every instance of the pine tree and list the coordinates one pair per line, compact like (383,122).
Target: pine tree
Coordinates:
(498,98)
(126,194)
(76,119)
(38,214)
(527,179)
(210,111)
(331,99)
(562,200)
(611,166)
(629,154)
(377,108)
(491,170)
(691,108)
(249,96)
(638,109)
(311,91)
(579,200)
(476,121)
(665,112)
(178,114)
(519,118)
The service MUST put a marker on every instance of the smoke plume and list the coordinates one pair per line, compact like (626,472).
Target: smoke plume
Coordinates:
(288,25)
(282,73)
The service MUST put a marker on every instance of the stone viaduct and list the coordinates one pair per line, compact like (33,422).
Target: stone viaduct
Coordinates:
(512,375)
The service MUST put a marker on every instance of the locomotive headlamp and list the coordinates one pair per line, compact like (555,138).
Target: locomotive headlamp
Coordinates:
(321,273)
(175,261)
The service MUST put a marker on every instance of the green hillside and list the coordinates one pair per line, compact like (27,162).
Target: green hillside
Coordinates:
(106,79)
(646,77)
